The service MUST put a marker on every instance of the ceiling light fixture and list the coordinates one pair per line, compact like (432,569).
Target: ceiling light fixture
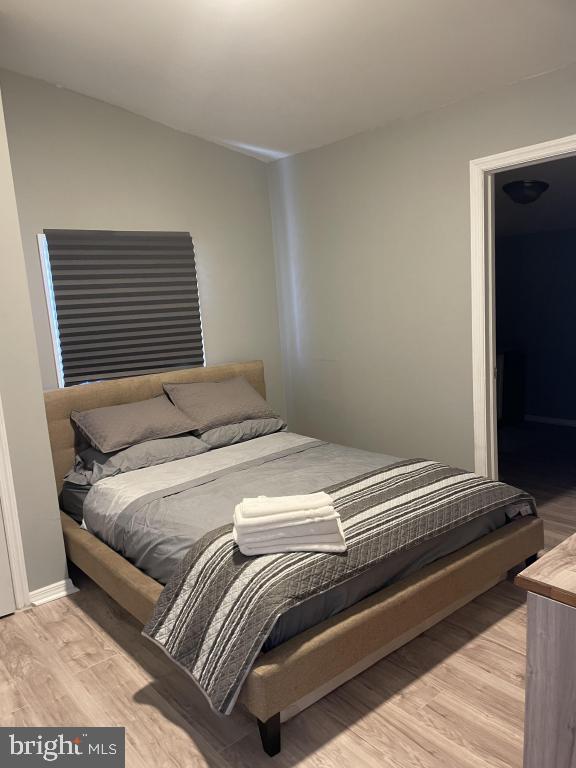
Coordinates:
(524,192)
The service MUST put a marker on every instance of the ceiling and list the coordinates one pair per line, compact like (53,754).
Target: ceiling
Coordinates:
(555,210)
(275,77)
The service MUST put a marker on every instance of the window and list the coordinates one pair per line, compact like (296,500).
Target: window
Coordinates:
(121,303)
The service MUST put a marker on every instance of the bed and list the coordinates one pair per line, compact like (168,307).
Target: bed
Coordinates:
(308,654)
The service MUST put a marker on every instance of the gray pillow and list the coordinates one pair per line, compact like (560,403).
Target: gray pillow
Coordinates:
(91,465)
(119,426)
(87,457)
(238,433)
(214,404)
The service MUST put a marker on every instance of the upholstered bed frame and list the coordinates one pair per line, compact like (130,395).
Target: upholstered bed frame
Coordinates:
(305,668)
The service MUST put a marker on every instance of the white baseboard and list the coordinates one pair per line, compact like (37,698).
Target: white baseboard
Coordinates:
(552,420)
(52,592)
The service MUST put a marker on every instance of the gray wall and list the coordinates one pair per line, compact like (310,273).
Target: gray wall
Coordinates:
(536,315)
(373,257)
(22,403)
(80,163)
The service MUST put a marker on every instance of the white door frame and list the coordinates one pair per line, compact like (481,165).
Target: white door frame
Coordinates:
(11,522)
(482,173)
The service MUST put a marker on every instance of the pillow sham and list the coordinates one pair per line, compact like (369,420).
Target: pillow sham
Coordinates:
(245,430)
(211,404)
(115,427)
(92,465)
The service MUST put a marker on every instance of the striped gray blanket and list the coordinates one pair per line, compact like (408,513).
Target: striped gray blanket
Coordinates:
(219,607)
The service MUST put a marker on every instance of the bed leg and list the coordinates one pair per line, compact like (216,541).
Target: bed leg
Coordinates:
(270,734)
(532,559)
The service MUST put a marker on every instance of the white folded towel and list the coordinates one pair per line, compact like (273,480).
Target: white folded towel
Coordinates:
(306,523)
(278,520)
(327,538)
(269,549)
(319,530)
(271,505)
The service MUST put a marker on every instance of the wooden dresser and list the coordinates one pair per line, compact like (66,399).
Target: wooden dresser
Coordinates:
(550,725)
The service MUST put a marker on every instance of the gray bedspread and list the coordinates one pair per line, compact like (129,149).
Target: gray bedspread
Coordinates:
(154,528)
(153,516)
(219,606)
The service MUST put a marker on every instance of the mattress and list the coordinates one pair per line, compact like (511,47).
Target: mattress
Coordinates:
(153,516)
(72,497)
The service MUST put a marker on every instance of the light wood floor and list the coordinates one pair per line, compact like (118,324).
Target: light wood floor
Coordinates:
(452,698)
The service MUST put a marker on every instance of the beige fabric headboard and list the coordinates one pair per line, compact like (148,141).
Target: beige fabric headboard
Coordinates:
(61,402)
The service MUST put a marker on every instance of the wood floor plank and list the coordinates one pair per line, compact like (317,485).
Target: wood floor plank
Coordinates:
(509,633)
(157,732)
(11,700)
(407,739)
(498,746)
(43,683)
(119,628)
(20,718)
(492,657)
(182,694)
(392,682)
(313,739)
(480,688)
(70,635)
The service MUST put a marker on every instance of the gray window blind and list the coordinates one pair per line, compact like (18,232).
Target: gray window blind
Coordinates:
(126,303)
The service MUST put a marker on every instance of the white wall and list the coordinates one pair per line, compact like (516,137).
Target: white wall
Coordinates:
(373,258)
(80,163)
(22,403)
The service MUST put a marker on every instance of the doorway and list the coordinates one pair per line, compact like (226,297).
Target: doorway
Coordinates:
(535,308)
(524,314)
